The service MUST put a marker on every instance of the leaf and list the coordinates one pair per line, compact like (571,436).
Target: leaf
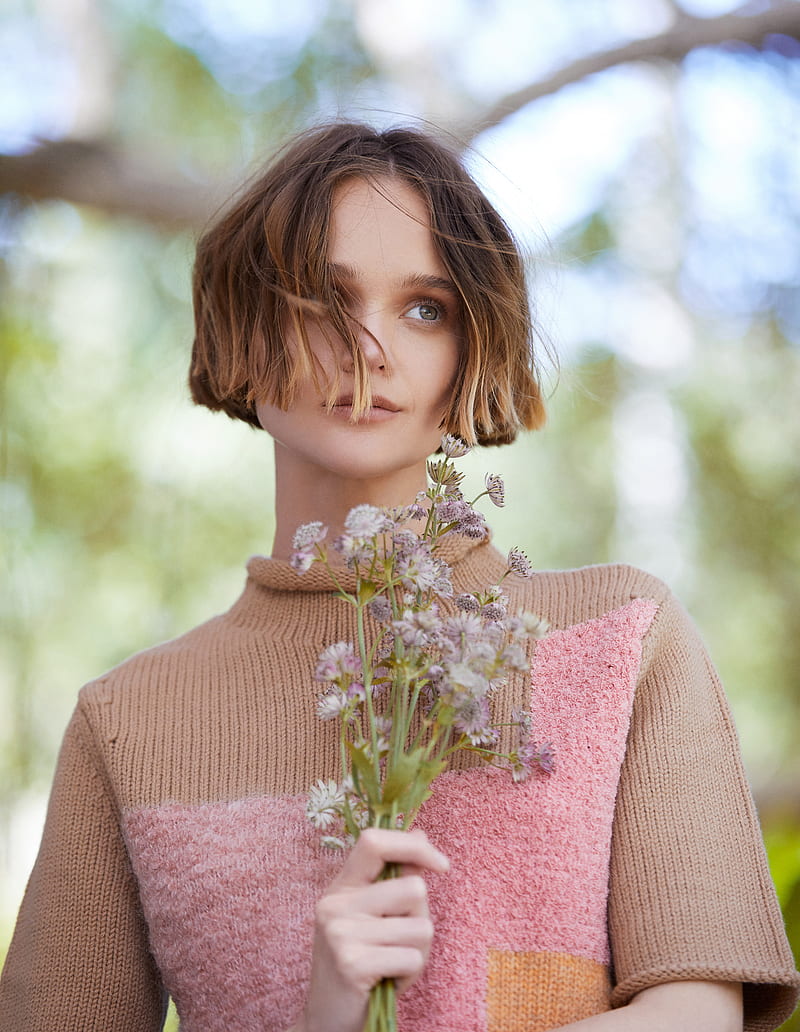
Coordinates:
(401,775)
(364,775)
(429,771)
(366,590)
(408,779)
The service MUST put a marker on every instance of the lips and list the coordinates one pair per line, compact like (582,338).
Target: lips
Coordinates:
(378,402)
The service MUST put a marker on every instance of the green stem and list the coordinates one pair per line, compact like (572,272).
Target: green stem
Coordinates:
(367,680)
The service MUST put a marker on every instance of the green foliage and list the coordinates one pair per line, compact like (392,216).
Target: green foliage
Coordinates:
(108,522)
(783,849)
(747,502)
(171,1024)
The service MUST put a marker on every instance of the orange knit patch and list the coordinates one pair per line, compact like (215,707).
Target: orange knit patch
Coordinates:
(533,992)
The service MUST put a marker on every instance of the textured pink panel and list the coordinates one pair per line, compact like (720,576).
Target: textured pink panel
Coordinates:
(229,888)
(530,862)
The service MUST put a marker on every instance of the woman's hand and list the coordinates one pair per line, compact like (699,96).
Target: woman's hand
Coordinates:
(367,930)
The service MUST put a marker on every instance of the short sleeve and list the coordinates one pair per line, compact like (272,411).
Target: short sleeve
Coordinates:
(79,957)
(691,896)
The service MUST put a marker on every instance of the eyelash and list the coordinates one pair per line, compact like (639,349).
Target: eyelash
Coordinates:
(431,303)
(345,298)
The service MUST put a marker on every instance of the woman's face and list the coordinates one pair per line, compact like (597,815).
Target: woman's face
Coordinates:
(384,263)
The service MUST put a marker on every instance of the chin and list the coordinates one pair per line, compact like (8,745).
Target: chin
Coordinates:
(370,462)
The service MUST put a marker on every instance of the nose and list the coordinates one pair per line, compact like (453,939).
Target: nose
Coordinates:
(373,334)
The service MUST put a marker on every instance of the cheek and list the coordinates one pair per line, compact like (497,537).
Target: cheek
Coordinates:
(322,347)
(448,370)
(268,417)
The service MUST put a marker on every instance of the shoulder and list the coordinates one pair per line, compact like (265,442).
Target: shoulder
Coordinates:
(607,583)
(145,677)
(575,596)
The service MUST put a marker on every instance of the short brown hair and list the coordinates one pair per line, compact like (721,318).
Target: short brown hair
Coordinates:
(263,266)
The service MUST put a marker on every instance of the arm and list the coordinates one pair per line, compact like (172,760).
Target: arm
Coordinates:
(367,930)
(673,1007)
(691,899)
(79,958)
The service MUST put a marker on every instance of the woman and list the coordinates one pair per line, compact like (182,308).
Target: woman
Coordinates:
(360,298)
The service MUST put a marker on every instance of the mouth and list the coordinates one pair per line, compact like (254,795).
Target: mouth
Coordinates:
(379,403)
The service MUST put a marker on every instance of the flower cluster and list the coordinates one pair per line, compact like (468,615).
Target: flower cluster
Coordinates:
(421,690)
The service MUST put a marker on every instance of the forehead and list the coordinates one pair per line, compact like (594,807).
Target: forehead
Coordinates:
(382,223)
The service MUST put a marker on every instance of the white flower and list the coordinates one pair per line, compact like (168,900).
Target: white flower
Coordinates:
(337,660)
(330,705)
(468,680)
(534,625)
(308,534)
(513,657)
(365,521)
(463,626)
(494,611)
(332,842)
(325,801)
(419,570)
(524,721)
(351,549)
(472,718)
(443,587)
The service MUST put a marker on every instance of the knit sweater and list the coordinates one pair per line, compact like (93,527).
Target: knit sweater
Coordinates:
(176,856)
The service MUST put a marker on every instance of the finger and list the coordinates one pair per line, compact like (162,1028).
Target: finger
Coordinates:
(396,897)
(393,897)
(377,847)
(365,967)
(416,932)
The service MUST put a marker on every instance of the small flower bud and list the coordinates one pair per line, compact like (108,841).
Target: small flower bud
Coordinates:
(380,608)
(454,447)
(301,562)
(496,489)
(519,563)
(494,611)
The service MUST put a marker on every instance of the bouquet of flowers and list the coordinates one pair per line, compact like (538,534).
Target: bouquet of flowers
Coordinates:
(419,691)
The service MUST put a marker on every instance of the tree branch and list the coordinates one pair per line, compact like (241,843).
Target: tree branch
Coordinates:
(99,174)
(688,33)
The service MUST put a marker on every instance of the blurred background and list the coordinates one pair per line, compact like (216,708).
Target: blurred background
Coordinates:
(647,155)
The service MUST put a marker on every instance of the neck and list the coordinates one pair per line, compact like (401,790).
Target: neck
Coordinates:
(305,492)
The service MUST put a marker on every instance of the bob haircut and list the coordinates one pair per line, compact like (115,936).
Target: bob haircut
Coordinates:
(262,269)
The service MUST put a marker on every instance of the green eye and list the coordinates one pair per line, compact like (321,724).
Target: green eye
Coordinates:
(430,313)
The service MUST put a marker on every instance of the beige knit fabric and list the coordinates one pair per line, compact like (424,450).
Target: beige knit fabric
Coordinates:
(227,712)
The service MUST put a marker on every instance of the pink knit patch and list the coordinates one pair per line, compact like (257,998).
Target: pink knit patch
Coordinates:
(228,889)
(529,863)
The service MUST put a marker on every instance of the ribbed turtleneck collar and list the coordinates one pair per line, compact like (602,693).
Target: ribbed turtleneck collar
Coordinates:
(284,604)
(278,575)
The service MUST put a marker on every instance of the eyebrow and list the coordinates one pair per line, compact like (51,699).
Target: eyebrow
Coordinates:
(414,281)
